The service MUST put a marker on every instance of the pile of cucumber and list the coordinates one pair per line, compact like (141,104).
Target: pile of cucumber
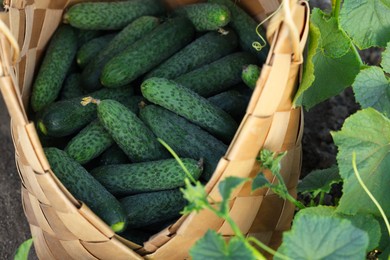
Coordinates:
(116,76)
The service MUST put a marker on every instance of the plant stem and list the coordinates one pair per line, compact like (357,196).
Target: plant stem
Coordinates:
(322,197)
(355,170)
(267,248)
(336,10)
(294,201)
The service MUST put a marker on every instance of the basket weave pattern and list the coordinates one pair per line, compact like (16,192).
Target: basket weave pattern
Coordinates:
(65,228)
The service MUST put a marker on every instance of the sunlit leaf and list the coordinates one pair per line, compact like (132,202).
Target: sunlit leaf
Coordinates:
(385,63)
(212,246)
(196,195)
(23,250)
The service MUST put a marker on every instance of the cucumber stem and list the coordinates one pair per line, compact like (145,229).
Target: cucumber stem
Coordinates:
(86,100)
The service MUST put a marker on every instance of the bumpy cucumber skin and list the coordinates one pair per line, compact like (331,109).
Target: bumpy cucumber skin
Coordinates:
(89,143)
(148,208)
(110,15)
(126,179)
(129,132)
(148,52)
(250,74)
(185,138)
(205,16)
(113,155)
(66,117)
(232,102)
(56,62)
(85,188)
(71,87)
(127,36)
(91,48)
(190,105)
(205,49)
(245,26)
(218,76)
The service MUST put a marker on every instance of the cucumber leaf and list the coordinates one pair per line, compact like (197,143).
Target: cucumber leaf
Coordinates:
(212,246)
(226,188)
(366,21)
(314,236)
(365,222)
(23,250)
(260,181)
(367,133)
(320,181)
(386,59)
(372,89)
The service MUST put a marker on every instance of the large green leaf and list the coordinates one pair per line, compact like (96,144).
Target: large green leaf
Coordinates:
(372,89)
(320,181)
(332,75)
(385,63)
(365,222)
(367,133)
(213,247)
(315,236)
(366,21)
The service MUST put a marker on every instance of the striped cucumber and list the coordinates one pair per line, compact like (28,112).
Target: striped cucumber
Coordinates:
(190,105)
(85,188)
(126,37)
(110,15)
(218,76)
(185,138)
(148,52)
(129,132)
(126,179)
(205,49)
(53,70)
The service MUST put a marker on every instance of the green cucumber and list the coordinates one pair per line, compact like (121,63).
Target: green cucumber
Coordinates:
(84,36)
(205,49)
(218,76)
(232,102)
(137,236)
(126,179)
(127,36)
(85,188)
(205,16)
(185,138)
(250,75)
(89,143)
(246,27)
(91,48)
(190,105)
(110,15)
(71,87)
(129,132)
(53,70)
(113,155)
(148,52)
(66,117)
(149,208)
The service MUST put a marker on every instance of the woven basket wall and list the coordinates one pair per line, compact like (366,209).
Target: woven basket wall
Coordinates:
(65,228)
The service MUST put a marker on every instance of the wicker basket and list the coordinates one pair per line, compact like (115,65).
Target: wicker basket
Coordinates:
(65,228)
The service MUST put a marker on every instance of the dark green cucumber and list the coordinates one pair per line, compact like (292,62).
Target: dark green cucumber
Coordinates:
(190,105)
(72,87)
(250,74)
(91,48)
(205,49)
(148,208)
(185,138)
(84,36)
(245,26)
(85,188)
(89,143)
(232,102)
(126,179)
(217,76)
(113,155)
(127,36)
(138,236)
(110,15)
(66,117)
(129,132)
(205,16)
(148,52)
(53,70)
